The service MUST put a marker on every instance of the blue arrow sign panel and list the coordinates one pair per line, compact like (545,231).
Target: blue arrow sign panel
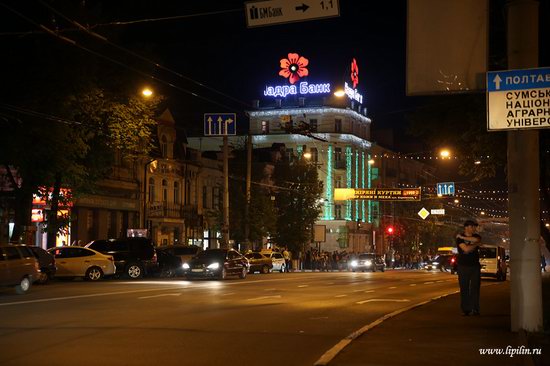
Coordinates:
(518,79)
(220,124)
(446,189)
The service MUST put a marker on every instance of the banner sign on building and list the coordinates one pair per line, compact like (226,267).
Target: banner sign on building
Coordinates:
(518,99)
(377,194)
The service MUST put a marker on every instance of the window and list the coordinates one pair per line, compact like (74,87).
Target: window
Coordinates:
(215,198)
(290,154)
(11,253)
(265,127)
(187,198)
(204,197)
(313,125)
(164,146)
(338,125)
(177,195)
(337,153)
(164,190)
(151,190)
(338,182)
(338,212)
(314,154)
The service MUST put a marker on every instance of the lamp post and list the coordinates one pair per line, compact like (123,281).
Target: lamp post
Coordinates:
(144,216)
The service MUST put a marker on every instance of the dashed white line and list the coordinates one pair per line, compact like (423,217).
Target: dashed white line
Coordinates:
(228,293)
(264,298)
(382,300)
(428,283)
(391,288)
(303,286)
(160,295)
(369,291)
(412,284)
(340,295)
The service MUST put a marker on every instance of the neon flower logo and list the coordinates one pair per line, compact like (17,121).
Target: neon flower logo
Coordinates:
(354,73)
(294,67)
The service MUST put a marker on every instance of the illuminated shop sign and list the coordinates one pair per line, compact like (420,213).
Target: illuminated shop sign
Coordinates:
(303,88)
(353,94)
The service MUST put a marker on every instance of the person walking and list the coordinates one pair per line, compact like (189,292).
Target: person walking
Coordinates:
(469,270)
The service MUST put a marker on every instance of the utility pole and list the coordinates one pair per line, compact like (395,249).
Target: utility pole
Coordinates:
(248,183)
(225,226)
(523,180)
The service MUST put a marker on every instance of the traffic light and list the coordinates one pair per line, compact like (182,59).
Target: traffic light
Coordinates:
(389,230)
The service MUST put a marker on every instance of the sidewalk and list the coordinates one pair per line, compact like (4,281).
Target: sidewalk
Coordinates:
(437,334)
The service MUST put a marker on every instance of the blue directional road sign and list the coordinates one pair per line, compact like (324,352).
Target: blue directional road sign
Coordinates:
(220,124)
(518,99)
(446,189)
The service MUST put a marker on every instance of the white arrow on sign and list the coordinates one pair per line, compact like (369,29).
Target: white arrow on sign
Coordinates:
(497,81)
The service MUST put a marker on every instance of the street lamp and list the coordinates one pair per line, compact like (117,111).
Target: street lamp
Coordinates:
(147,92)
(307,155)
(339,93)
(445,154)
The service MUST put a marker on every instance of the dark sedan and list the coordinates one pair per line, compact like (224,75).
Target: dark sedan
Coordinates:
(217,263)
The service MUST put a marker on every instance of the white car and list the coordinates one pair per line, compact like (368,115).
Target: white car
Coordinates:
(277,259)
(82,262)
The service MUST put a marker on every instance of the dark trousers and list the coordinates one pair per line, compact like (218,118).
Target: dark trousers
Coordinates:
(469,279)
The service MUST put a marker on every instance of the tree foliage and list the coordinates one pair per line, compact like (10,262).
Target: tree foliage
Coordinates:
(298,193)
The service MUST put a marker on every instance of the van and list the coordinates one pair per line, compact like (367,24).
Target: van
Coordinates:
(18,267)
(492,259)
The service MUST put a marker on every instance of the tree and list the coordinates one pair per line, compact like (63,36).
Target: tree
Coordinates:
(297,201)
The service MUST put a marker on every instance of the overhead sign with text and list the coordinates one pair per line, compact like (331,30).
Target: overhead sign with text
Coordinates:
(262,13)
(220,124)
(518,99)
(377,194)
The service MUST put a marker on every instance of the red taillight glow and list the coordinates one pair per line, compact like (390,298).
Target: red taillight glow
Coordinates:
(452,260)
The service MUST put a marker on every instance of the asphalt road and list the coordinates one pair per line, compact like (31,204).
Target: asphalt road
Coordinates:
(273,319)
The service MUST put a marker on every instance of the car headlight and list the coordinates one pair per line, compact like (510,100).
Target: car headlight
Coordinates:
(354,263)
(185,266)
(368,263)
(435,263)
(213,266)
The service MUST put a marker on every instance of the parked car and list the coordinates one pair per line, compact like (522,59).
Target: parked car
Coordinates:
(493,263)
(46,261)
(217,263)
(277,259)
(368,261)
(134,257)
(185,252)
(441,263)
(75,261)
(169,265)
(18,267)
(259,262)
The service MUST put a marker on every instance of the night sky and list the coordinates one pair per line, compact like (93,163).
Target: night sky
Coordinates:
(208,43)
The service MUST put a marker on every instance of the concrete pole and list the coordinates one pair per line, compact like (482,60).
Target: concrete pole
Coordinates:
(225,226)
(523,180)
(248,196)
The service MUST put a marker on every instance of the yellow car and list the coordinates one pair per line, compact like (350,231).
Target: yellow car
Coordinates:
(82,262)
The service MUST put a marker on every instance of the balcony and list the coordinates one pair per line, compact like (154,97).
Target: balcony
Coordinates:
(164,210)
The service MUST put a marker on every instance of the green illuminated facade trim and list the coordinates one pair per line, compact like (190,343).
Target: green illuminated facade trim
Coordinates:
(369,180)
(299,150)
(357,212)
(329,203)
(348,179)
(363,218)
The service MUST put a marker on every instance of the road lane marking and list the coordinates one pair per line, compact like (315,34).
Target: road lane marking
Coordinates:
(331,283)
(369,291)
(428,283)
(340,295)
(382,300)
(270,289)
(329,355)
(391,288)
(439,281)
(150,297)
(228,293)
(412,284)
(264,297)
(303,286)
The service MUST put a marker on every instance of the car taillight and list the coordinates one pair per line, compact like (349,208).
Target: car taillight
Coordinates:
(452,260)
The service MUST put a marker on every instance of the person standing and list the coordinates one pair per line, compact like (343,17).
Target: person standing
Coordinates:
(469,270)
